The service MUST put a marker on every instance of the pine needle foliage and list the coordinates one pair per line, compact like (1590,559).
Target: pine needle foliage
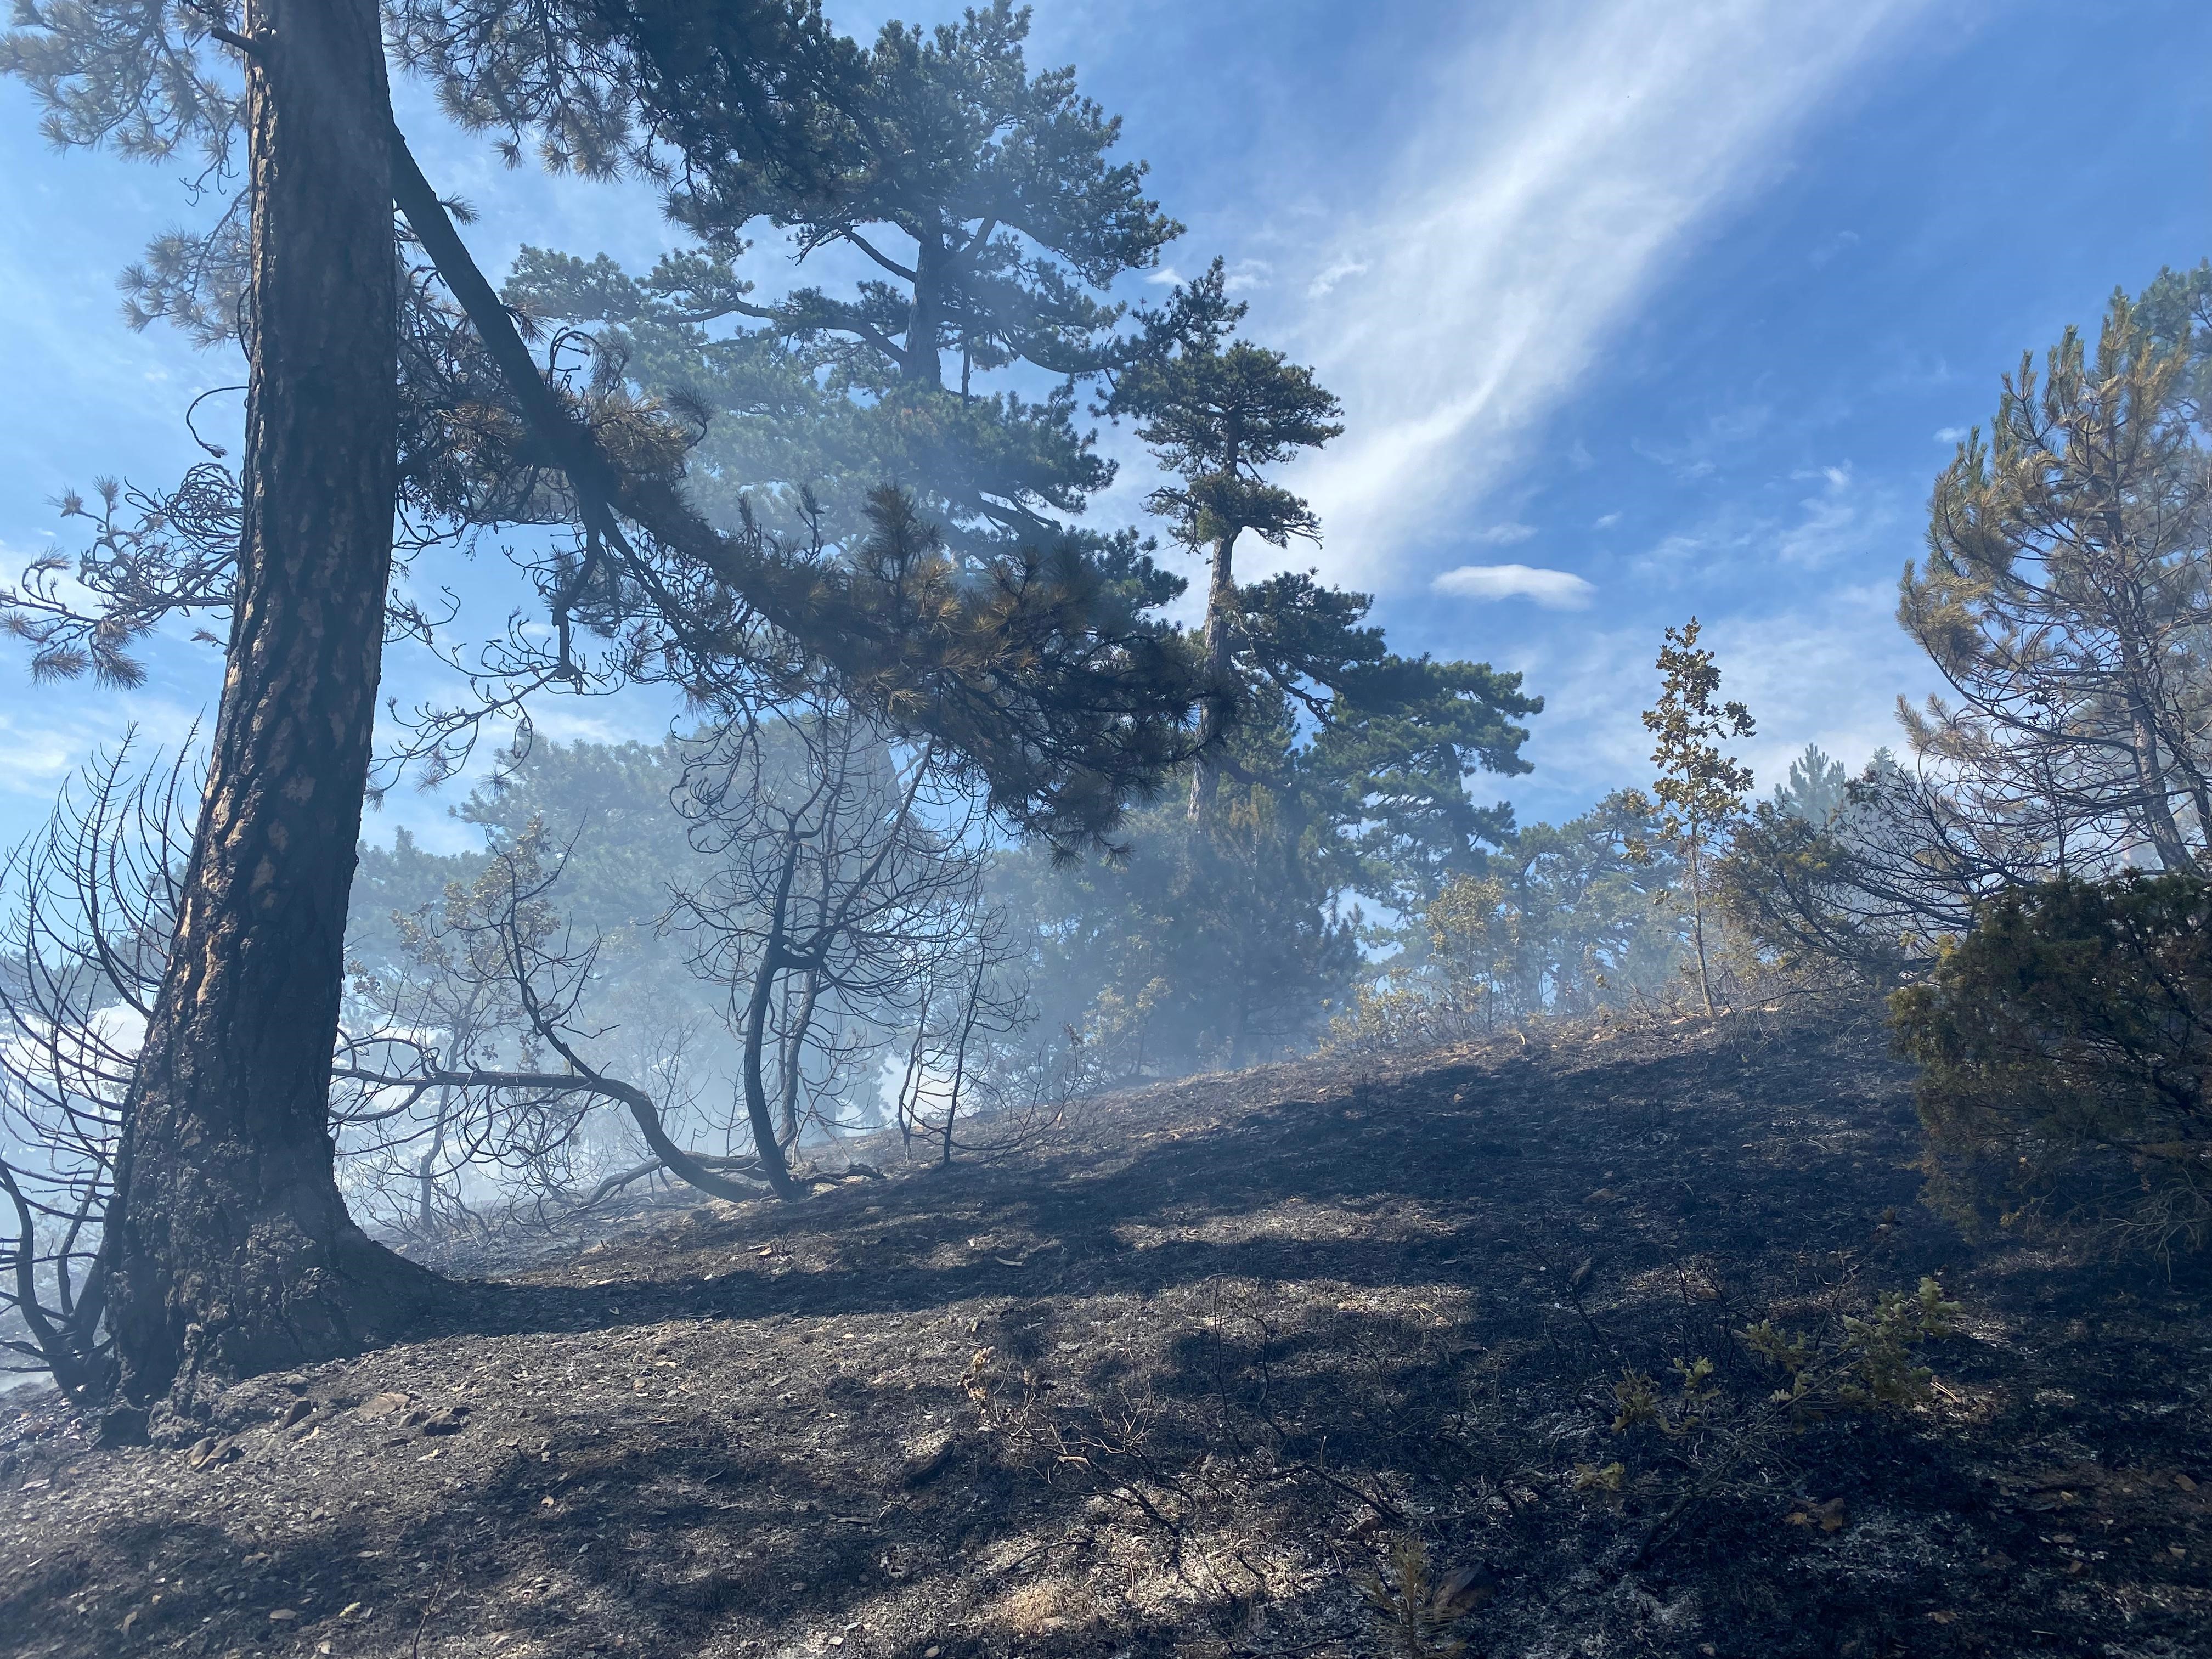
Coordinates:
(2063,1046)
(2063,598)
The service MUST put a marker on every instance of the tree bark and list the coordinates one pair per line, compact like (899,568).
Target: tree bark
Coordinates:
(230,1248)
(925,316)
(1220,620)
(793,1054)
(1698,922)
(775,958)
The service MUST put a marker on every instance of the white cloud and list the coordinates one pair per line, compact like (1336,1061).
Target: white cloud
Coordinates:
(1247,274)
(1607,522)
(1503,535)
(1326,281)
(1949,435)
(1561,172)
(1686,552)
(36,756)
(1839,526)
(1555,590)
(41,753)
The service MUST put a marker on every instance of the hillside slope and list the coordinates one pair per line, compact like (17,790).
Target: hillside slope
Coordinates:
(1178,1377)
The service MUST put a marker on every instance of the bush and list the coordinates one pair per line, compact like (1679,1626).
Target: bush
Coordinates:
(2063,1046)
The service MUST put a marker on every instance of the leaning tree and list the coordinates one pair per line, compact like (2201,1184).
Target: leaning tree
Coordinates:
(388,387)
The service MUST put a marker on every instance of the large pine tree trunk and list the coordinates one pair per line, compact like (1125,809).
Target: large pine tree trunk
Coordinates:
(1220,620)
(230,1250)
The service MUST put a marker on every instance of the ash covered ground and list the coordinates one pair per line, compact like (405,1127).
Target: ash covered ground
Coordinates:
(1184,1377)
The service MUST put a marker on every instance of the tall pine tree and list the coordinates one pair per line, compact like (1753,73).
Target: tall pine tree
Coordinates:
(228,1248)
(984,205)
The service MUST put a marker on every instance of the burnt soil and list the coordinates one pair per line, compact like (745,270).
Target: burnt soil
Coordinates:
(1176,1378)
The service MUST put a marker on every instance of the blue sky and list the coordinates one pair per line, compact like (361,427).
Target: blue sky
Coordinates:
(1639,308)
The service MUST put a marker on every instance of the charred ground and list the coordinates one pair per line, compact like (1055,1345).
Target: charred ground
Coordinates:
(1174,1378)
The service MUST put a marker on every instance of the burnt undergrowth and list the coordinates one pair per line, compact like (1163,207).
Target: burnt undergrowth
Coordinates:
(1343,1356)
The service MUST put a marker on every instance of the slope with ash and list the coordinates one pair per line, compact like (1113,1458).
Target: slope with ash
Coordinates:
(1193,1374)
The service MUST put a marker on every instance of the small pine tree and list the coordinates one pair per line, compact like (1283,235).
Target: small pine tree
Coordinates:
(1699,792)
(1816,789)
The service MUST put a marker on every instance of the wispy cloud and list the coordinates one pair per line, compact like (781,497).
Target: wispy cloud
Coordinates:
(1830,522)
(1326,282)
(39,754)
(1835,526)
(1555,590)
(34,755)
(1559,173)
(1247,274)
(1503,535)
(1842,242)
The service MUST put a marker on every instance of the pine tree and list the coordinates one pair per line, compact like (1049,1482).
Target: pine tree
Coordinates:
(226,1245)
(1216,412)
(1815,789)
(2063,598)
(986,202)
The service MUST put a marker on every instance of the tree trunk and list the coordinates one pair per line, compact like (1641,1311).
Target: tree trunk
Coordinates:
(231,1250)
(767,1145)
(1220,622)
(774,960)
(793,1054)
(426,1169)
(926,316)
(1698,922)
(2150,778)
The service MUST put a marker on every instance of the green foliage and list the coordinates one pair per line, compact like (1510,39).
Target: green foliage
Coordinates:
(2176,312)
(2063,598)
(1230,937)
(1870,1367)
(1333,768)
(1216,412)
(1700,791)
(611,810)
(1002,184)
(1711,1432)
(1600,1477)
(141,75)
(803,442)
(2063,1046)
(1561,921)
(1388,767)
(1638,1402)
(1815,788)
(1803,893)
(1197,946)
(1002,180)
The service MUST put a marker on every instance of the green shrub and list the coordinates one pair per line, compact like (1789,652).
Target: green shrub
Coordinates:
(2063,1046)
